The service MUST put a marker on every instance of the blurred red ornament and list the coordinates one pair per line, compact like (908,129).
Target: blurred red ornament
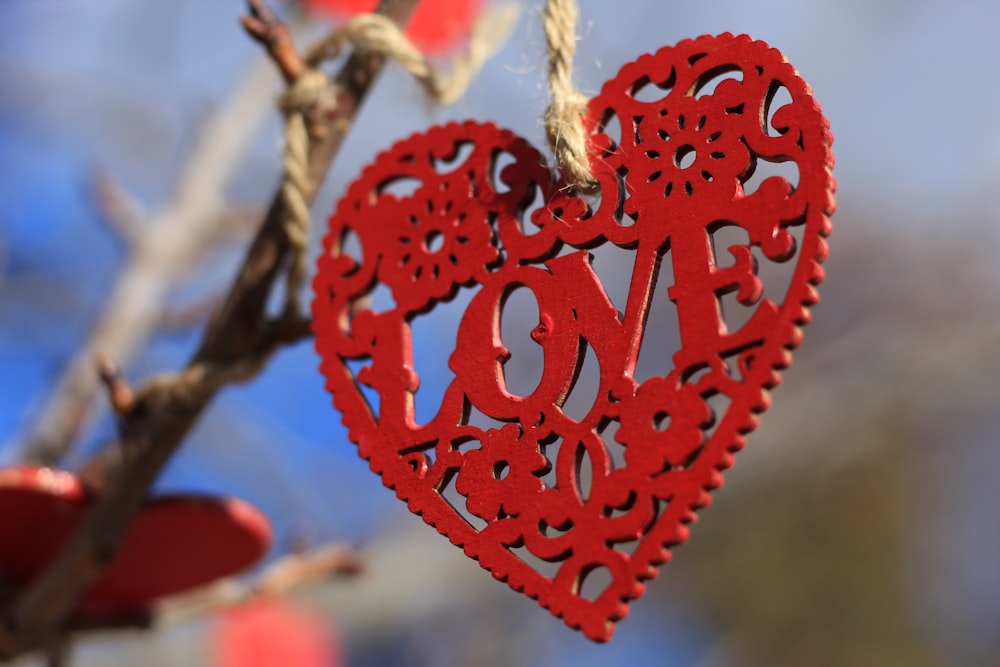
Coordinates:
(436,25)
(578,507)
(269,632)
(175,543)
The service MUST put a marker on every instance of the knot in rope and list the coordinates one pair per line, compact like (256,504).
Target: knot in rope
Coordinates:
(313,94)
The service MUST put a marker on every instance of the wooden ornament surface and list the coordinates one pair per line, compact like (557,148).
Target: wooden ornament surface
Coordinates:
(175,543)
(39,508)
(540,498)
(180,542)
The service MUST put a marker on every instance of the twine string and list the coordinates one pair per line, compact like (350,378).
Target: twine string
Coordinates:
(564,117)
(310,99)
(314,93)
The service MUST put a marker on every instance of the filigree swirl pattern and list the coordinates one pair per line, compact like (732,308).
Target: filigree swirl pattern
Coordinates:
(540,498)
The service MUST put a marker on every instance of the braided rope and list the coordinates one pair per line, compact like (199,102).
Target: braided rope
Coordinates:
(564,117)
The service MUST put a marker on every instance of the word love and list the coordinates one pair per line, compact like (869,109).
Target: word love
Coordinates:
(546,500)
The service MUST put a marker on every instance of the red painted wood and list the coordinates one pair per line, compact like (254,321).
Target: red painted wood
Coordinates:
(39,508)
(175,543)
(670,178)
(180,542)
(436,25)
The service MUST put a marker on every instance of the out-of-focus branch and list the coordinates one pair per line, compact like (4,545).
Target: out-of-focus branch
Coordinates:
(235,346)
(160,248)
(121,211)
(190,315)
(120,392)
(282,577)
(271,33)
(238,223)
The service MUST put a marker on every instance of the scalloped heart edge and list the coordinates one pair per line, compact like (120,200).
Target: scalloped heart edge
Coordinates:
(750,415)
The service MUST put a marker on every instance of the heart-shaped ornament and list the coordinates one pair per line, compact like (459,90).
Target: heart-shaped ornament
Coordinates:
(543,497)
(176,542)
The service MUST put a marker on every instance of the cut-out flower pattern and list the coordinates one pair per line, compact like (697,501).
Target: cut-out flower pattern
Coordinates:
(442,243)
(663,424)
(504,474)
(692,152)
(541,530)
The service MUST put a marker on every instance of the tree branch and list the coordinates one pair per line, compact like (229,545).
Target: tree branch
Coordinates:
(284,576)
(158,256)
(267,30)
(237,342)
(120,392)
(121,210)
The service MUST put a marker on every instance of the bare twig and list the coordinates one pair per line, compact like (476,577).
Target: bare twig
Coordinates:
(120,392)
(190,315)
(297,570)
(158,259)
(238,222)
(101,468)
(236,344)
(234,226)
(121,211)
(267,30)
(284,576)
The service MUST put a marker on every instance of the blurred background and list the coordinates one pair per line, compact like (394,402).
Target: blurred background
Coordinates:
(860,526)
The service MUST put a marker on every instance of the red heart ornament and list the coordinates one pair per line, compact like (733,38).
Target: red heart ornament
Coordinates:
(176,542)
(680,171)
